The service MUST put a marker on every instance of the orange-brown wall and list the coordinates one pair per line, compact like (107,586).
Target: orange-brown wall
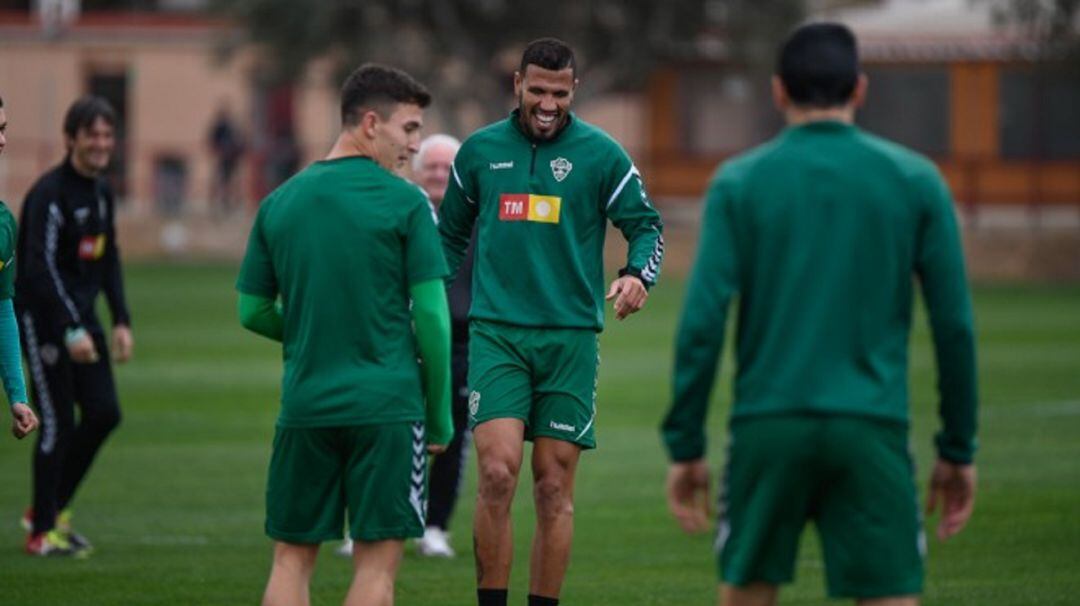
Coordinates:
(175,85)
(974,167)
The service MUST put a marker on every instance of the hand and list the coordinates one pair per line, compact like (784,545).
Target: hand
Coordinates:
(436,449)
(629,294)
(23,420)
(953,485)
(688,495)
(82,350)
(122,343)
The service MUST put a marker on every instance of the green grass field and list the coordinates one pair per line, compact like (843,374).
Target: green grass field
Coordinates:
(174,503)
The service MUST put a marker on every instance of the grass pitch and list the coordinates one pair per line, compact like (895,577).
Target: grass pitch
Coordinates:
(174,503)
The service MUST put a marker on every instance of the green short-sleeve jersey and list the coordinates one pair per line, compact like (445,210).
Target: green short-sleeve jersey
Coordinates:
(8,237)
(341,243)
(541,210)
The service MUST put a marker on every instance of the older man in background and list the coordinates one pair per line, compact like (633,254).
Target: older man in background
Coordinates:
(431,170)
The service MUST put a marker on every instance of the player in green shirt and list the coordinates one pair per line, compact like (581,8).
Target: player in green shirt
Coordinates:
(353,252)
(540,187)
(819,234)
(23,419)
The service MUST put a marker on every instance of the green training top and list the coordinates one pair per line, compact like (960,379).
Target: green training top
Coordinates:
(820,232)
(342,242)
(543,208)
(8,237)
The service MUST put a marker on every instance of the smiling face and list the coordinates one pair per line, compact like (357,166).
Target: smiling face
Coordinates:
(396,139)
(544,98)
(92,147)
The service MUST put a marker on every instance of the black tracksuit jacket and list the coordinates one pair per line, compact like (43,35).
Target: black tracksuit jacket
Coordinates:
(67,252)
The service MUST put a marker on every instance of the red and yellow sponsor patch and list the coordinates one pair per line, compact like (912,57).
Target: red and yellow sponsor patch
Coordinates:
(92,248)
(529,207)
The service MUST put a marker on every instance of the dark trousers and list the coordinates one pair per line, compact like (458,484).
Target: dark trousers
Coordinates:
(65,450)
(448,467)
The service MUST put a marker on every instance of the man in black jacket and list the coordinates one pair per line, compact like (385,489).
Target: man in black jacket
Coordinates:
(66,256)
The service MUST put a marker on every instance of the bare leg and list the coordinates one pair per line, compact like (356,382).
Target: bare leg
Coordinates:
(290,574)
(375,566)
(498,452)
(756,594)
(554,463)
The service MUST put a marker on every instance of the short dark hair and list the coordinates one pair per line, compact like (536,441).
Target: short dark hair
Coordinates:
(548,53)
(85,111)
(1,102)
(375,87)
(819,65)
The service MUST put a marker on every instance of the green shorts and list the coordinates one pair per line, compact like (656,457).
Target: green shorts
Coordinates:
(376,472)
(852,476)
(544,376)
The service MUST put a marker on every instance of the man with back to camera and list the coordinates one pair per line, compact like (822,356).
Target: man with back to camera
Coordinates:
(819,232)
(540,187)
(67,255)
(346,244)
(431,170)
(23,419)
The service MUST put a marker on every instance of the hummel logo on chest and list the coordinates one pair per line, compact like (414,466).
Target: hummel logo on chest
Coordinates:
(502,165)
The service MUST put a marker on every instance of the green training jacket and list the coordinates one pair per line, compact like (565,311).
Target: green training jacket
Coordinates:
(543,208)
(821,234)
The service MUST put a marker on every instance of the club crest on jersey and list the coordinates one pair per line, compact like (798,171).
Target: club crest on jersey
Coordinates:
(560,168)
(529,207)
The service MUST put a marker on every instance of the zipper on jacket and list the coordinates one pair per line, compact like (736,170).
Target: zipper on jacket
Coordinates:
(532,164)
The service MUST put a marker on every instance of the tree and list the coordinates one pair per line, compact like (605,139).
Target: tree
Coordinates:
(1054,24)
(467,50)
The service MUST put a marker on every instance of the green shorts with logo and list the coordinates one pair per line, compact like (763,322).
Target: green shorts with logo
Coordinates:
(544,376)
(853,476)
(378,473)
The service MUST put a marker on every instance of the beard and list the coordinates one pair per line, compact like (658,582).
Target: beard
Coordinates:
(526,118)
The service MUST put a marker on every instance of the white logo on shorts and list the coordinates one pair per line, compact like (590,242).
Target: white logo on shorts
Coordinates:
(474,403)
(561,426)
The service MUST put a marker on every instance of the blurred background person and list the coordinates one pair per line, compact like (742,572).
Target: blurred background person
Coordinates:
(227,147)
(818,233)
(67,256)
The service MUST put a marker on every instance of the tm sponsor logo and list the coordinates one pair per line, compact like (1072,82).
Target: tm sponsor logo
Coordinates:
(502,165)
(561,426)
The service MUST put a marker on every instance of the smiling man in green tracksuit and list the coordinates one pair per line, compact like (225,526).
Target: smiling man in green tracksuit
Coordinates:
(541,185)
